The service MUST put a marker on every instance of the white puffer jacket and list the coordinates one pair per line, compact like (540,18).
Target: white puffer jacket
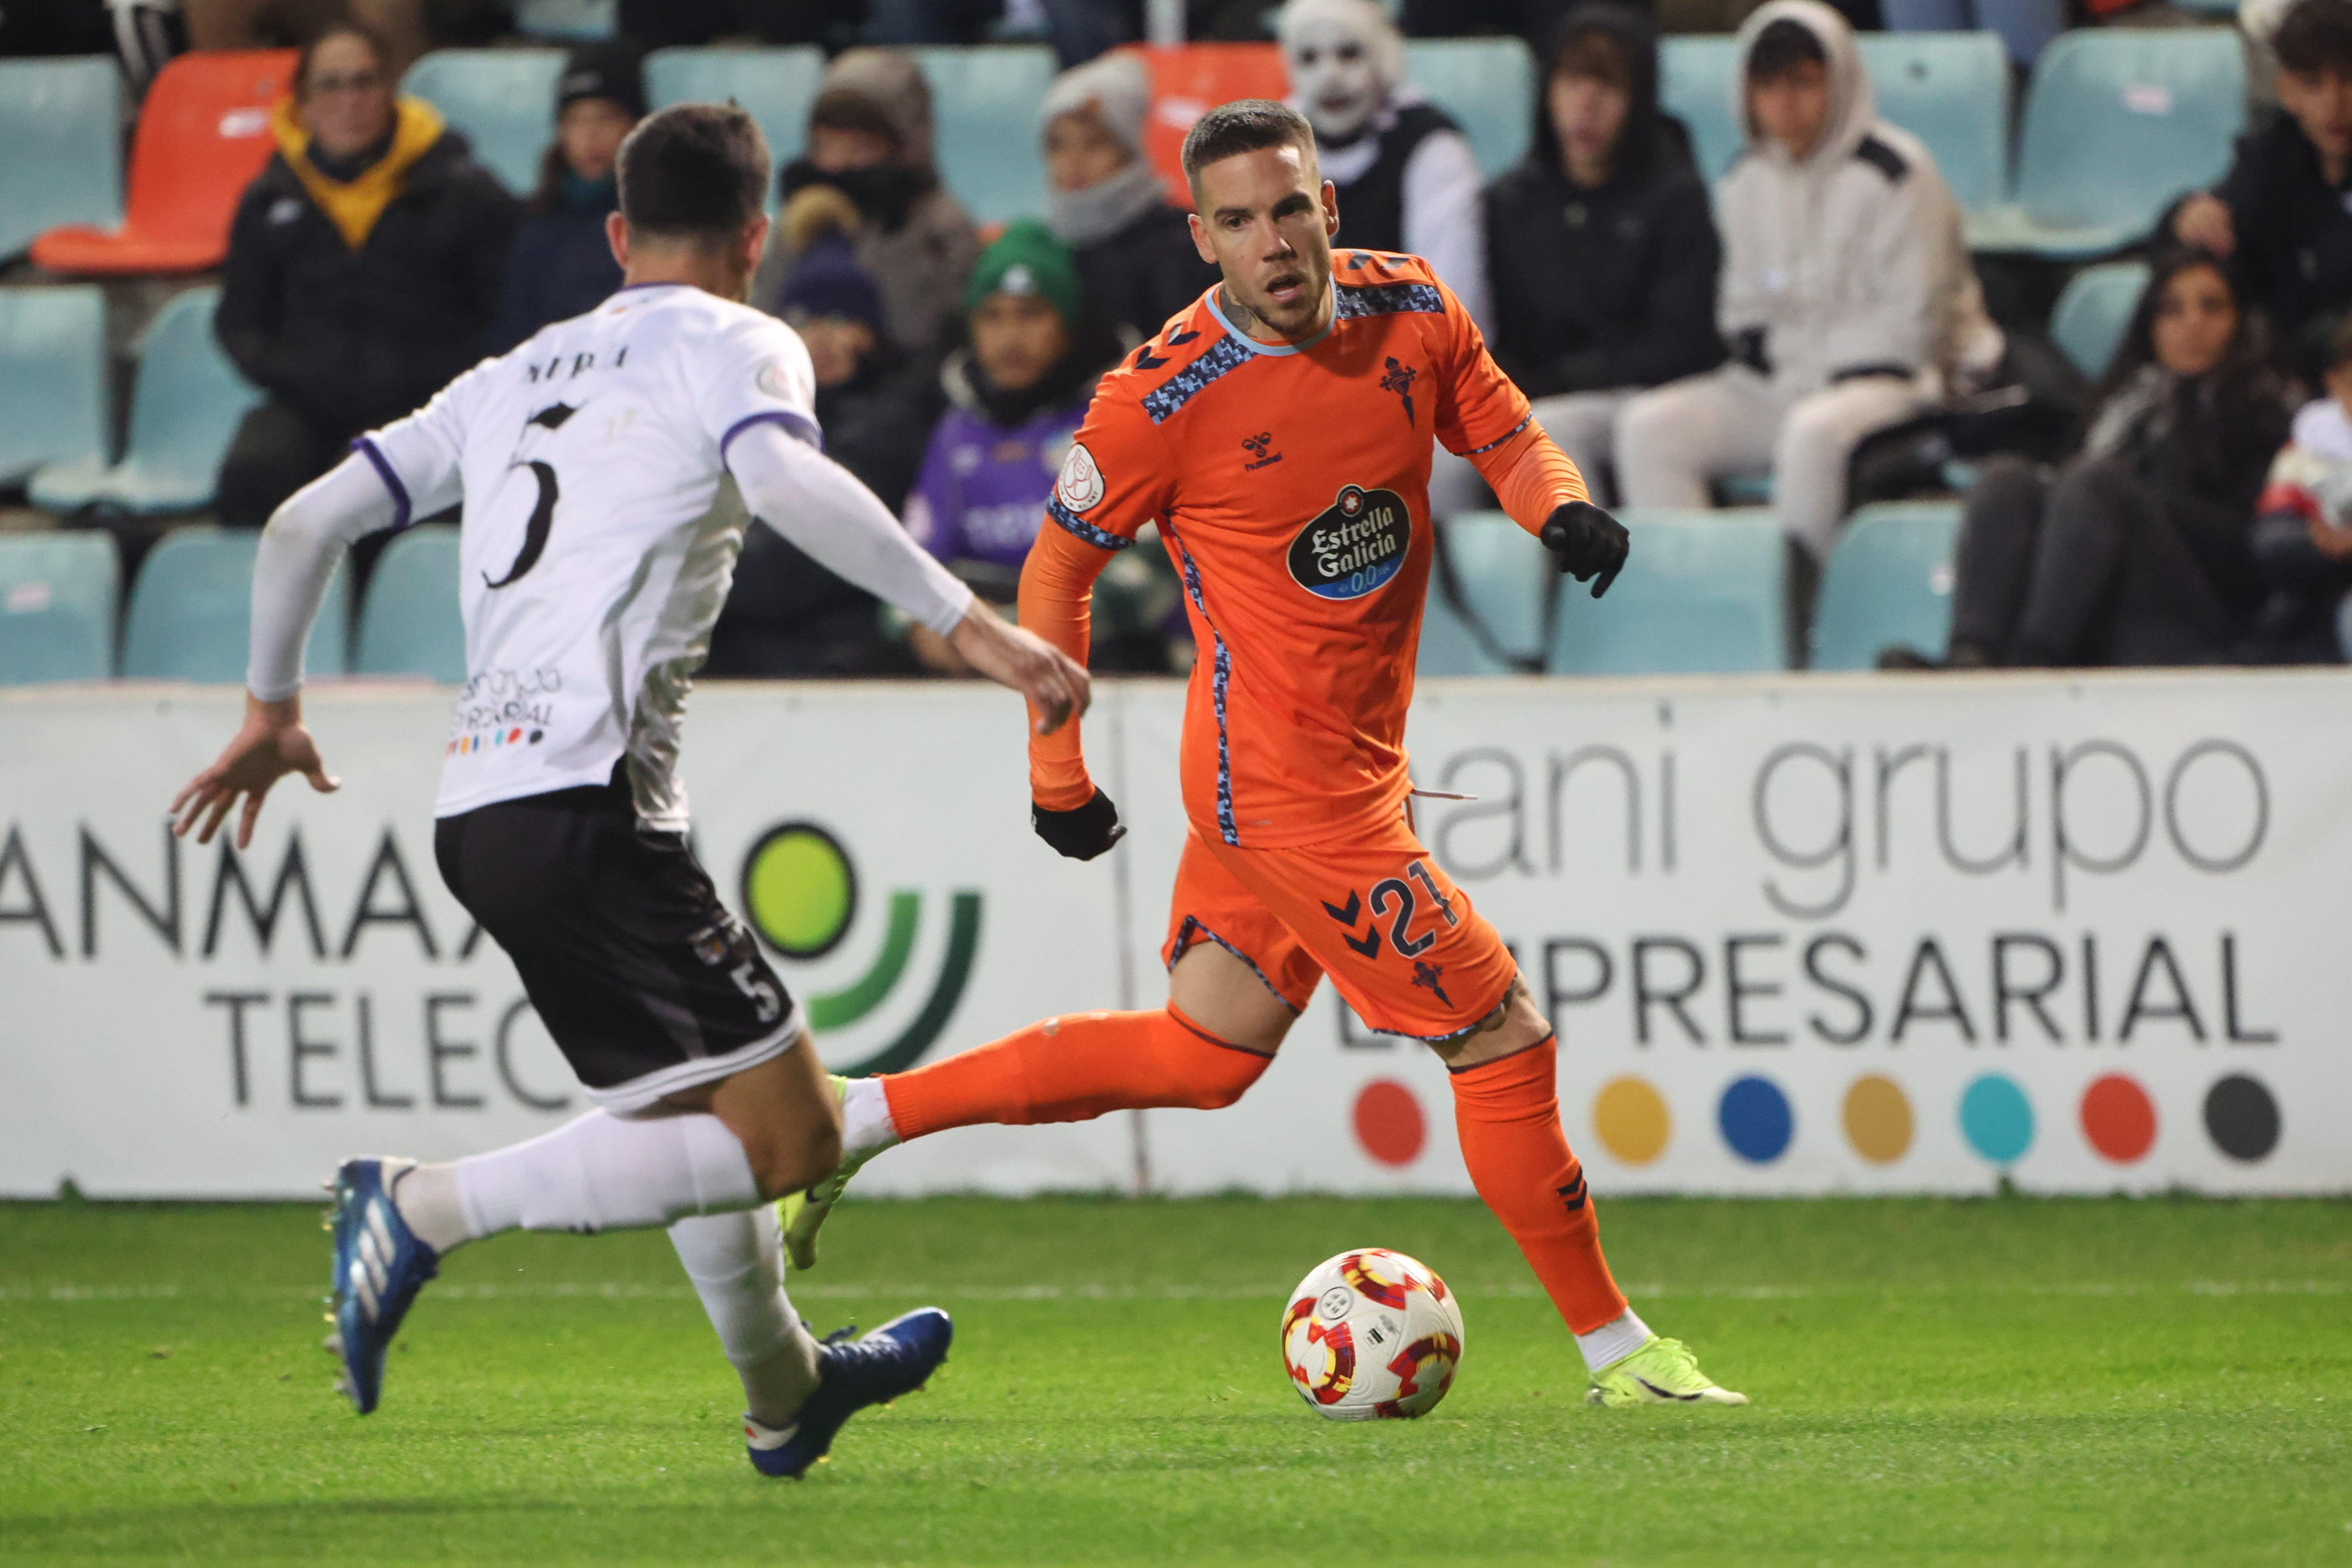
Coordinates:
(1851,261)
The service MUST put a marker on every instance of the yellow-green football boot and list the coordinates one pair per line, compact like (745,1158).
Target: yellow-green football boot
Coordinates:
(803,1213)
(1660,1372)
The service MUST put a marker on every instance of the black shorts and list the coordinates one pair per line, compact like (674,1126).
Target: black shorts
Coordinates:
(645,981)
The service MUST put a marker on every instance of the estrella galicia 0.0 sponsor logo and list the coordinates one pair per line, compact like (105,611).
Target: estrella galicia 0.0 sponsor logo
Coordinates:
(1353,547)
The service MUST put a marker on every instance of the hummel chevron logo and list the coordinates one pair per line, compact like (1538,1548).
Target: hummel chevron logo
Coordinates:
(1346,916)
(1178,336)
(1145,359)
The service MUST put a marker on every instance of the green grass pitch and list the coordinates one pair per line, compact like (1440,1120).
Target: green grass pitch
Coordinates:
(2002,1381)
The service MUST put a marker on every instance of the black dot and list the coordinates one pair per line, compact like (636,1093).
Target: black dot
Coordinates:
(535,734)
(2242,1118)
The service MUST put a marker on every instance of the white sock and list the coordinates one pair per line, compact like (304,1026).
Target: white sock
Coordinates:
(736,1262)
(426,1196)
(865,1124)
(1612,1341)
(603,1172)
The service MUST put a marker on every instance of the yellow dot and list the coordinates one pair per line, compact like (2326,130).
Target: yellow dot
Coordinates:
(1632,1120)
(1878,1119)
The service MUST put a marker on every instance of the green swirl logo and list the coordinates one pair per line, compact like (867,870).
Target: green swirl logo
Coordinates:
(801,895)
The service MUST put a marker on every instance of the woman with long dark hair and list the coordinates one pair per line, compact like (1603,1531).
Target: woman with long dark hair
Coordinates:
(2139,550)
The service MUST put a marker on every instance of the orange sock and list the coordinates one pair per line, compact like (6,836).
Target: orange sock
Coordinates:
(1073,1069)
(1507,1113)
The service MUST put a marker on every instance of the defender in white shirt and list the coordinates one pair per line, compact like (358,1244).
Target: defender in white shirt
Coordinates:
(608,468)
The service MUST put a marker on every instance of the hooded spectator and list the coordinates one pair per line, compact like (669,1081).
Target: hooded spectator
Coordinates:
(1847,299)
(870,138)
(364,267)
(1600,245)
(1134,253)
(562,264)
(2303,538)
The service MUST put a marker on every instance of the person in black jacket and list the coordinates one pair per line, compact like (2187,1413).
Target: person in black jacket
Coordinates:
(562,264)
(1599,246)
(364,265)
(2280,216)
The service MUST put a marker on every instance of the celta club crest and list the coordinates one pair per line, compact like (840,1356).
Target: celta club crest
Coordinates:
(1400,380)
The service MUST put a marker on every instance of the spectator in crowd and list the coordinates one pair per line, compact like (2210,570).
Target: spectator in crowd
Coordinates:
(1537,22)
(788,615)
(2279,217)
(2026,26)
(364,267)
(2302,533)
(1079,29)
(1137,266)
(1600,245)
(665,23)
(1847,299)
(2140,552)
(562,264)
(870,138)
(1406,177)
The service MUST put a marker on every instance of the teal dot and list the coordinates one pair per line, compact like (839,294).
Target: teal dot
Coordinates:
(1997,1118)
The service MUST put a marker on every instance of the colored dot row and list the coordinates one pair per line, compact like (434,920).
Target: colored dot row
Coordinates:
(2116,1114)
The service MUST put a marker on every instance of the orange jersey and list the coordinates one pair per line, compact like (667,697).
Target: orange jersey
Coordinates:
(1290,485)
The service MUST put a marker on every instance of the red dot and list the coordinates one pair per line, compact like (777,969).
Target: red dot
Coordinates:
(1388,1123)
(2119,1118)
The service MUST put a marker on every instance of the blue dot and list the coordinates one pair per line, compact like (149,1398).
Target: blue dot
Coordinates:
(1755,1121)
(1997,1118)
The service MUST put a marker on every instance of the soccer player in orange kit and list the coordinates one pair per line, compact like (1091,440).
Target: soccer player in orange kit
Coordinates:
(1278,433)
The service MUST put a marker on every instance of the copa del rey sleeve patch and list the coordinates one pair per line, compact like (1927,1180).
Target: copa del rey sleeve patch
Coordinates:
(1081,484)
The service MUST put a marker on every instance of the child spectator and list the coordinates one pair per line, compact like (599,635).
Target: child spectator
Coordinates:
(2279,217)
(1847,299)
(870,138)
(2303,536)
(2140,550)
(1600,246)
(1134,253)
(364,267)
(562,264)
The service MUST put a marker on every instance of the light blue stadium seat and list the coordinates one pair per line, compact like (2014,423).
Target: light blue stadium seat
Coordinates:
(1703,592)
(568,21)
(1488,85)
(1506,577)
(57,606)
(410,623)
(1888,581)
(774,86)
(2119,123)
(1448,645)
(984,112)
(2089,319)
(1696,73)
(191,611)
(60,146)
(502,101)
(53,380)
(184,411)
(1951,91)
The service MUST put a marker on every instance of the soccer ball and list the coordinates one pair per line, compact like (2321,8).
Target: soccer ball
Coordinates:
(1372,1335)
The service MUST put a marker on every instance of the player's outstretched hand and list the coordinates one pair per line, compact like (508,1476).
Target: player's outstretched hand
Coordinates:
(270,744)
(1587,543)
(1055,684)
(1082,834)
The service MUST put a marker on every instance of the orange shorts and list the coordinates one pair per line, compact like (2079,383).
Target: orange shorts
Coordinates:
(1376,912)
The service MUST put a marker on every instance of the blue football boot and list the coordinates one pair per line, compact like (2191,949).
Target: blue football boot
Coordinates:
(896,1358)
(380,1265)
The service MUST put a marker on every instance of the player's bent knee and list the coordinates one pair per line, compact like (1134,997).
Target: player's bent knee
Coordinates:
(1214,1074)
(784,1164)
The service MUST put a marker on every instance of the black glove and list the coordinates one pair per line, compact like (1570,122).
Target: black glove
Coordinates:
(1586,542)
(1082,834)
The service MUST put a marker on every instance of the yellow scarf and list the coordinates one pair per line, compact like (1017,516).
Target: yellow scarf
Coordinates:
(355,205)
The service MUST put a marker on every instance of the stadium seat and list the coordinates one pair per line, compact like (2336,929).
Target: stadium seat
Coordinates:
(1190,79)
(409,622)
(203,134)
(1506,577)
(568,21)
(1487,84)
(1703,592)
(2088,321)
(502,101)
(53,380)
(60,146)
(1696,73)
(1951,91)
(984,112)
(776,86)
(191,610)
(2119,123)
(1448,645)
(1888,581)
(57,606)
(184,411)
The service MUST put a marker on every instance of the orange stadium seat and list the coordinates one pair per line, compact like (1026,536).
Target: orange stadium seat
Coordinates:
(1190,79)
(203,135)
